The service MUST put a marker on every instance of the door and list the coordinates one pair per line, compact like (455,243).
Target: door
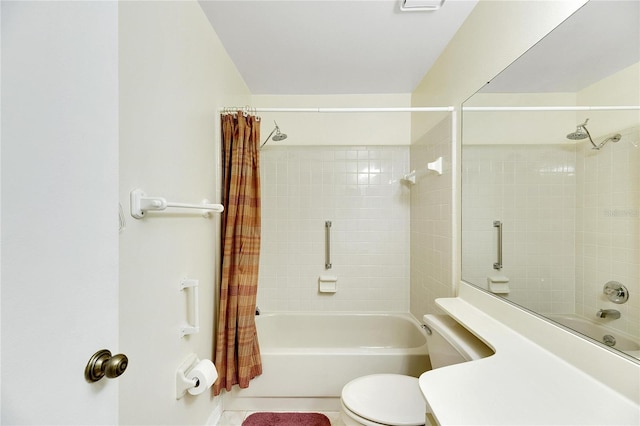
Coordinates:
(59,194)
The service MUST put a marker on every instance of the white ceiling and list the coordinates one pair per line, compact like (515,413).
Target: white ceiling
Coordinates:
(289,47)
(333,46)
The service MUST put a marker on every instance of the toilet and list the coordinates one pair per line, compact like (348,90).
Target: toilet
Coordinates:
(396,399)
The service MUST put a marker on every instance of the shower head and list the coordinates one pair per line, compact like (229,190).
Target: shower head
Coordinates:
(582,133)
(578,135)
(279,136)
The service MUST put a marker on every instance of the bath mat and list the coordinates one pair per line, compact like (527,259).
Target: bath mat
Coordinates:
(286,419)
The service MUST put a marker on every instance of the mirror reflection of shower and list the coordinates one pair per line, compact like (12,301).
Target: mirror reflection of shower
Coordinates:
(279,136)
(583,133)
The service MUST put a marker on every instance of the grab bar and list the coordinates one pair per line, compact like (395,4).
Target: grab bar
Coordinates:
(140,204)
(498,265)
(193,326)
(327,244)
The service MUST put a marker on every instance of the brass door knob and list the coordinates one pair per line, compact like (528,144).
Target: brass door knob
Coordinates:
(102,363)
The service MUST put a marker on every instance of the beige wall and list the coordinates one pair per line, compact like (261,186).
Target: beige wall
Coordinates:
(174,75)
(551,127)
(522,127)
(314,128)
(621,88)
(492,37)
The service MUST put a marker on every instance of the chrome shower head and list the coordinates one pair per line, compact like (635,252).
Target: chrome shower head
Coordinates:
(580,133)
(279,136)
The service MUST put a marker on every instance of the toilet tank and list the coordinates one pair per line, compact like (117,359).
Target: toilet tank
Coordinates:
(450,343)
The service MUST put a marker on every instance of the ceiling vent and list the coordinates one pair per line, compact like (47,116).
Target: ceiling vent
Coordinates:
(420,5)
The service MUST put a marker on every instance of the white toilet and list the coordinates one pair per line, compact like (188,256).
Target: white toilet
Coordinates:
(395,399)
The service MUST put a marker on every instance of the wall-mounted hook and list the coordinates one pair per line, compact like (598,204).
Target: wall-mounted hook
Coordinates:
(409,178)
(434,166)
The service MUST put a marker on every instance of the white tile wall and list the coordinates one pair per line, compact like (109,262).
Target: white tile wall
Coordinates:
(431,221)
(608,227)
(571,223)
(357,189)
(531,189)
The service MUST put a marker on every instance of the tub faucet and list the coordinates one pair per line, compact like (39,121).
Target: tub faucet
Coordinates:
(608,313)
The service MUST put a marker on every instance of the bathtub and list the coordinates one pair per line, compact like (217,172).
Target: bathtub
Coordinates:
(311,356)
(599,332)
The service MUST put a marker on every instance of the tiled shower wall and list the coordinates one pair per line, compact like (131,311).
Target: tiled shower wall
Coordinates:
(608,228)
(431,221)
(571,223)
(532,190)
(358,190)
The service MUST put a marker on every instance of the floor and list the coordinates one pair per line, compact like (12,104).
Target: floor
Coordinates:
(235,418)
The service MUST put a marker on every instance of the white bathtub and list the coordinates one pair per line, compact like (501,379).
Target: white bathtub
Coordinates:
(313,355)
(598,331)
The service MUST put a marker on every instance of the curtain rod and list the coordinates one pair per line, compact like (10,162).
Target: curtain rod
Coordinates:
(323,109)
(554,108)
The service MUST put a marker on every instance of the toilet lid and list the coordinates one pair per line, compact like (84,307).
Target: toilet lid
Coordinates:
(390,399)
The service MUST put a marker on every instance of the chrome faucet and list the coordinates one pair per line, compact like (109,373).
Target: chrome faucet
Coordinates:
(608,313)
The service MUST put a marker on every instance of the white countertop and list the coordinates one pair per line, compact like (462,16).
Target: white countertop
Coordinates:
(522,383)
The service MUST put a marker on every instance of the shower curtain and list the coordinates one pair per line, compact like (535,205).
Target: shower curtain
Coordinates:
(237,356)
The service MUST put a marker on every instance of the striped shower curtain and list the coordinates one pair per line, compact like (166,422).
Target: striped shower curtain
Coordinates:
(237,356)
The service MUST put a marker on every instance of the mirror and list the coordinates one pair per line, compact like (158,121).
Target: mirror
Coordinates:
(547,219)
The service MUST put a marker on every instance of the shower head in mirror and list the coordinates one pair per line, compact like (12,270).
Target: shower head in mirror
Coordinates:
(582,133)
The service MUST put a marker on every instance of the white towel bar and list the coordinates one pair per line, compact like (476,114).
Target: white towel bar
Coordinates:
(140,204)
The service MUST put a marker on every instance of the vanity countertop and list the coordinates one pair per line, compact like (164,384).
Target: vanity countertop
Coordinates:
(522,383)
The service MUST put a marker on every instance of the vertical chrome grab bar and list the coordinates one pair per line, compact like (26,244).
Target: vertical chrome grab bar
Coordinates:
(498,264)
(327,244)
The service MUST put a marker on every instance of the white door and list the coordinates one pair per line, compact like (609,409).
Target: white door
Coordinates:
(59,194)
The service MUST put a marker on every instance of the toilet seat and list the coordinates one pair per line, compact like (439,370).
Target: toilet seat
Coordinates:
(386,399)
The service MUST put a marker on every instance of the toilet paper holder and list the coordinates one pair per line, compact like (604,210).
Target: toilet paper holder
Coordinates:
(183,384)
